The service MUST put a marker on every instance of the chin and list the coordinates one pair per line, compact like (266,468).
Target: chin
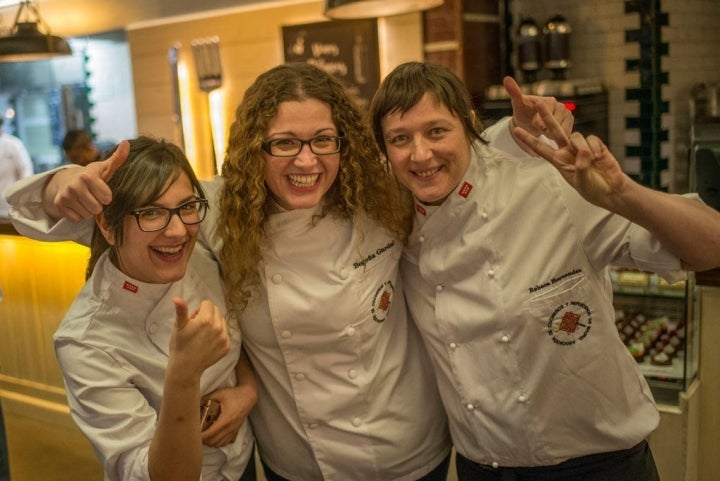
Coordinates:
(430,199)
(302,204)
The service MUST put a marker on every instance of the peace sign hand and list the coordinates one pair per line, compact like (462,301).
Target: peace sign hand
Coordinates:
(584,162)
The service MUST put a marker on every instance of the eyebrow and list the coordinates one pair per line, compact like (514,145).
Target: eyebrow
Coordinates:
(152,205)
(323,131)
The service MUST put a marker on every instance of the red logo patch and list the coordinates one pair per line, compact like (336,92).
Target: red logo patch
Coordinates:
(465,189)
(569,322)
(130,287)
(420,209)
(381,302)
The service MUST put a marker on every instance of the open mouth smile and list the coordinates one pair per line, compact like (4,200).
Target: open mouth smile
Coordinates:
(169,251)
(428,172)
(303,180)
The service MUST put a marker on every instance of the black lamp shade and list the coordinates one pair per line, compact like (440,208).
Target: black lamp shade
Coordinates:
(347,9)
(28,44)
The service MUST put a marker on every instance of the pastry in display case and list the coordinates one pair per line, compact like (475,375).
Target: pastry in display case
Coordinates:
(657,322)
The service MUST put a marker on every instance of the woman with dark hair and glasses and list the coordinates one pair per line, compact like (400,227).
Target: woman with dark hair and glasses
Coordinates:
(137,367)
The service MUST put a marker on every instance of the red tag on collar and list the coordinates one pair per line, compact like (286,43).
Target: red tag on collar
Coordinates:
(465,189)
(130,287)
(420,209)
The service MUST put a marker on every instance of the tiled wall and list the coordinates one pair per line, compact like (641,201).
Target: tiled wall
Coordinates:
(598,49)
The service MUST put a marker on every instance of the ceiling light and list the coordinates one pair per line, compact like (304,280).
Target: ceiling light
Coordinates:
(26,42)
(345,9)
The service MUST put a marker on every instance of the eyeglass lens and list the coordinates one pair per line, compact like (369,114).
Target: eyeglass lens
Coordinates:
(157,218)
(320,145)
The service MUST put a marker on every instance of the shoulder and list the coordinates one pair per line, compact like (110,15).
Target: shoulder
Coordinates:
(83,314)
(212,188)
(496,160)
(87,310)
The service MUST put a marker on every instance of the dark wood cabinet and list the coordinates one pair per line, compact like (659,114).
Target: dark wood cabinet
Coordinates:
(466,36)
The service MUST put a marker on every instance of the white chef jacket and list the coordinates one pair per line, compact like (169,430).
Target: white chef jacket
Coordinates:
(345,388)
(507,282)
(113,347)
(344,379)
(15,163)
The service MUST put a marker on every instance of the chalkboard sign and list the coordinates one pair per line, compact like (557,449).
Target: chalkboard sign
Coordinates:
(347,49)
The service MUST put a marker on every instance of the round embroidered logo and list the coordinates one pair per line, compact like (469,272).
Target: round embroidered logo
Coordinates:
(569,323)
(382,301)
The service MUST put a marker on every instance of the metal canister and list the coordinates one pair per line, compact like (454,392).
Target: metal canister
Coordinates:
(556,34)
(529,56)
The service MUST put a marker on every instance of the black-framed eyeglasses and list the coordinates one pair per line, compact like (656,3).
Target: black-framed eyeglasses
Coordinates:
(152,219)
(319,145)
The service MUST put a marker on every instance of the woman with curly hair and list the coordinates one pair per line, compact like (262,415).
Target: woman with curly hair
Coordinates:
(313,225)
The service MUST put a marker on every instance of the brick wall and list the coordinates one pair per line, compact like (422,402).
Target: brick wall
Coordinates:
(598,49)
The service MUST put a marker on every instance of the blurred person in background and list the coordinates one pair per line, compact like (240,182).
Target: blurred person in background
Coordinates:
(15,163)
(79,148)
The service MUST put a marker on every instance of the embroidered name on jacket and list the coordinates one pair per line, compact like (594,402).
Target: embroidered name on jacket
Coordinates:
(553,280)
(367,259)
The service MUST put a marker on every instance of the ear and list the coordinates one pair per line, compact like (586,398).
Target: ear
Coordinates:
(107,232)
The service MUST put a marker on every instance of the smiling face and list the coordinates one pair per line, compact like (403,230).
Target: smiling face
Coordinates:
(301,181)
(428,149)
(156,257)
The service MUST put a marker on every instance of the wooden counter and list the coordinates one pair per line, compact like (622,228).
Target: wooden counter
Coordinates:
(39,281)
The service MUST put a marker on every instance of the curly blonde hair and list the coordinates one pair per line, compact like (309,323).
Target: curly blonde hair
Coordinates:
(364,184)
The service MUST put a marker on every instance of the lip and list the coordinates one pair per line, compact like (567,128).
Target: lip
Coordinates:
(170,253)
(427,173)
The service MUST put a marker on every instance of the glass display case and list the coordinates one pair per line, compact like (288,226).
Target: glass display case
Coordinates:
(659,324)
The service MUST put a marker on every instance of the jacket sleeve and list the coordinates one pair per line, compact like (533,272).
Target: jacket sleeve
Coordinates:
(610,239)
(108,408)
(29,217)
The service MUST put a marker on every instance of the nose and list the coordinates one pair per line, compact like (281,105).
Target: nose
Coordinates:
(420,150)
(306,157)
(175,227)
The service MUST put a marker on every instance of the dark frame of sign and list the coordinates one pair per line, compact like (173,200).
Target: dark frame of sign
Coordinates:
(347,49)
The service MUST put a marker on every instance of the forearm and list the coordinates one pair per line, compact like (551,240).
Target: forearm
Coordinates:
(29,217)
(246,379)
(176,448)
(49,192)
(686,227)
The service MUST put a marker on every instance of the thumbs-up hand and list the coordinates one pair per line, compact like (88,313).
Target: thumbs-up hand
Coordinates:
(81,192)
(201,339)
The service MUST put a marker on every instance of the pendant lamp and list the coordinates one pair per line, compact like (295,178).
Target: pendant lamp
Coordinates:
(26,43)
(347,9)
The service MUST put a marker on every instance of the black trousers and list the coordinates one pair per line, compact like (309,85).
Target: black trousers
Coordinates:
(634,464)
(4,462)
(439,473)
(250,473)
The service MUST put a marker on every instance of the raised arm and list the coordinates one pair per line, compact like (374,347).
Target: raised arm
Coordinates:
(687,228)
(197,342)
